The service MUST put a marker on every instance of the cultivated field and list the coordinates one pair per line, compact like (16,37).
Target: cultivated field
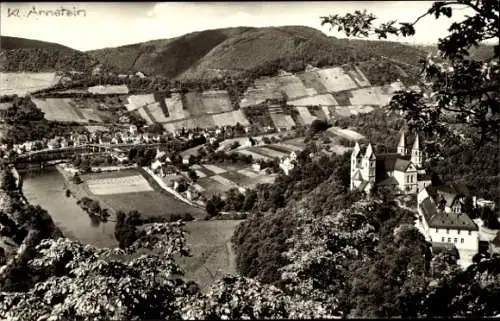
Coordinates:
(59,109)
(26,82)
(175,107)
(266,151)
(108,90)
(283,121)
(215,101)
(335,79)
(145,115)
(305,117)
(212,254)
(155,112)
(96,128)
(359,77)
(345,133)
(230,118)
(292,86)
(138,101)
(370,96)
(323,99)
(119,185)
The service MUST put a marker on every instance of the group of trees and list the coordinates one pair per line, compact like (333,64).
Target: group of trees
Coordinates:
(25,122)
(45,59)
(93,208)
(141,156)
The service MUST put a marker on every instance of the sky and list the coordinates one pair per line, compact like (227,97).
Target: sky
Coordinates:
(100,25)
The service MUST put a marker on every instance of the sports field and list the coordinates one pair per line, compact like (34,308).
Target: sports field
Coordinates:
(119,185)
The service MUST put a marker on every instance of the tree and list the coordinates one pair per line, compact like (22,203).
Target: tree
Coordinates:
(317,126)
(81,282)
(76,179)
(454,83)
(8,181)
(192,174)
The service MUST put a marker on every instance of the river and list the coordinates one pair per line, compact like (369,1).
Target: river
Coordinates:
(45,187)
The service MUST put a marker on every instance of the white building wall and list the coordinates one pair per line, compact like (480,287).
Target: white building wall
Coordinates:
(400,178)
(465,240)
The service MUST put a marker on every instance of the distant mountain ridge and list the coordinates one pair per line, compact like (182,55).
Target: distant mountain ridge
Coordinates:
(261,51)
(28,55)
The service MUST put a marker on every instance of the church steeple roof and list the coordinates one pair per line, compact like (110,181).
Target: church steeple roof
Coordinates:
(369,151)
(356,150)
(416,144)
(401,143)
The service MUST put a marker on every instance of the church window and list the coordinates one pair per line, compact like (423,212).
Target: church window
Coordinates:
(454,240)
(436,230)
(447,231)
(458,232)
(442,239)
(461,240)
(449,240)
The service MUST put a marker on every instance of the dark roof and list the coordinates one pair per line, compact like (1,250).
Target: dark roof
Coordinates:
(393,161)
(388,181)
(496,240)
(440,219)
(423,177)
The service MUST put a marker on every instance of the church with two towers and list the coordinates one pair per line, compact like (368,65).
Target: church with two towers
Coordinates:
(401,171)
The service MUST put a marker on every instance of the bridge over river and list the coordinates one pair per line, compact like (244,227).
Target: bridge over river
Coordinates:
(45,156)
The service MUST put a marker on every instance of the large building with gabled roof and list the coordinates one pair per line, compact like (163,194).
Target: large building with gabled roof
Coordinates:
(401,170)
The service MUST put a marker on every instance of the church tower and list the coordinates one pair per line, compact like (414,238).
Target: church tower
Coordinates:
(354,158)
(368,165)
(416,153)
(401,146)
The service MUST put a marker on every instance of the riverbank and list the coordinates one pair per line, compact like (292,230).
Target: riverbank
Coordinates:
(46,188)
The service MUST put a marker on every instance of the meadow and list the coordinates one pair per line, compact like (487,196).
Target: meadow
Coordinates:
(211,249)
(154,202)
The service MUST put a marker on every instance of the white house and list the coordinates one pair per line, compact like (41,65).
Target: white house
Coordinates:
(450,227)
(133,130)
(287,164)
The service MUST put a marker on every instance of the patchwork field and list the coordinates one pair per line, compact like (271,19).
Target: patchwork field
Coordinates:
(212,253)
(26,82)
(218,179)
(208,121)
(154,202)
(119,185)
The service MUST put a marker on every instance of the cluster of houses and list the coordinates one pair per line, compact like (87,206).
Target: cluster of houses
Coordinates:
(442,216)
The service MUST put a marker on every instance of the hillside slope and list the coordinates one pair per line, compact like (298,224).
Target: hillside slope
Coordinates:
(27,55)
(258,51)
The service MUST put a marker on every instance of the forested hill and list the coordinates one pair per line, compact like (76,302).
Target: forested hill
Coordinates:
(258,51)
(20,54)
